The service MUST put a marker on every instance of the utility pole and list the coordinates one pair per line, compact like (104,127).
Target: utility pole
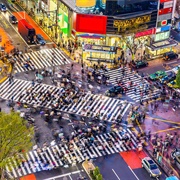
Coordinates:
(57,11)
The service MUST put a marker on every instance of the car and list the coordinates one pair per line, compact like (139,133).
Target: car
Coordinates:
(175,154)
(168,78)
(172,178)
(170,56)
(151,167)
(173,84)
(13,19)
(114,91)
(40,40)
(3,7)
(175,69)
(157,75)
(139,64)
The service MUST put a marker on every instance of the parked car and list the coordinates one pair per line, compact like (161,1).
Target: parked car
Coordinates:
(13,19)
(3,7)
(175,154)
(157,75)
(151,167)
(40,40)
(139,64)
(170,55)
(175,70)
(114,91)
(168,78)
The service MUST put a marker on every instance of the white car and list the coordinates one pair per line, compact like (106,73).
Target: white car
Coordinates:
(175,70)
(151,167)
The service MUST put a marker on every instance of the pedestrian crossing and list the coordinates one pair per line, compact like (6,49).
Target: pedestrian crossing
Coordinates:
(138,83)
(68,154)
(40,59)
(91,105)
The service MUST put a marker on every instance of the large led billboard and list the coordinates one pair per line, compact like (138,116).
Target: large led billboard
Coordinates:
(91,6)
(89,23)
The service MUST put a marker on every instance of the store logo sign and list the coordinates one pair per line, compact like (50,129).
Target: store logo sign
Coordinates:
(163,23)
(121,25)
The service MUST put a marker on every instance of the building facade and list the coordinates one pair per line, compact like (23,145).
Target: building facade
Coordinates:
(99,25)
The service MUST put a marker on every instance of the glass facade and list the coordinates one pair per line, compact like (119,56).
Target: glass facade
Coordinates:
(117,7)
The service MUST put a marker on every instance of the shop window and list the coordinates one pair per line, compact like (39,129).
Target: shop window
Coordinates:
(162,36)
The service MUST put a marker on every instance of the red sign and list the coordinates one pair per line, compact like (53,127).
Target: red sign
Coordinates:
(162,1)
(90,23)
(163,23)
(146,33)
(165,11)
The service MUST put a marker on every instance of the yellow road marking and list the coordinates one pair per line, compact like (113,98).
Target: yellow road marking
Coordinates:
(170,129)
(157,119)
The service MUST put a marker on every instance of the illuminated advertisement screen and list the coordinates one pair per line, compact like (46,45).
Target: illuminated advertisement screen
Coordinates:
(96,24)
(91,6)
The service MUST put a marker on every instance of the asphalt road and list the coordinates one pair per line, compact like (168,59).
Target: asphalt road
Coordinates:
(72,173)
(18,42)
(114,167)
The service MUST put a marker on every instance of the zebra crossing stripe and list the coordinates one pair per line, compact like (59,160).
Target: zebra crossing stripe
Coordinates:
(108,108)
(135,78)
(32,159)
(41,59)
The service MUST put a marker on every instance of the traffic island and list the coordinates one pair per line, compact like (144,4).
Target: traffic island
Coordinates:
(92,171)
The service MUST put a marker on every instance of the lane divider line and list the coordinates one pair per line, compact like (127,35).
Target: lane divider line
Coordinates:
(115,174)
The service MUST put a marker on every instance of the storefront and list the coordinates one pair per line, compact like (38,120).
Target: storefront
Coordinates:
(157,49)
(99,54)
(89,29)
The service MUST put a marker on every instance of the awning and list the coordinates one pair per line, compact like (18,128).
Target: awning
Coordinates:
(162,44)
(92,36)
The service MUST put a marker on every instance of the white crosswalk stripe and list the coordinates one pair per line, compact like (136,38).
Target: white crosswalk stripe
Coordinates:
(40,59)
(117,74)
(69,154)
(90,105)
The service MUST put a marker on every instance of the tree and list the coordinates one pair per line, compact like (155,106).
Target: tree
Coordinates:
(178,78)
(15,137)
(96,171)
(99,177)
(133,43)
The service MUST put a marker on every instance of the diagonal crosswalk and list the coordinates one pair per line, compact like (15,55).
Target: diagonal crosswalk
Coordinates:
(40,59)
(70,153)
(91,105)
(117,74)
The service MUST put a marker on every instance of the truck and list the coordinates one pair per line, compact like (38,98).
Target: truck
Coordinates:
(26,31)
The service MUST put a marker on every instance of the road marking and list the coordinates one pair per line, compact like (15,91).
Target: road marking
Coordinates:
(162,120)
(68,174)
(133,173)
(169,70)
(171,62)
(115,174)
(170,129)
